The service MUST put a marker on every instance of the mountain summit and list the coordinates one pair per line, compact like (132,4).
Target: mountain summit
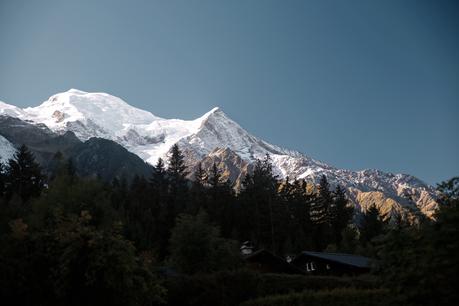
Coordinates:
(215,136)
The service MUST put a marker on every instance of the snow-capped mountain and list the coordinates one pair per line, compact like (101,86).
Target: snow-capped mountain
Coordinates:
(214,136)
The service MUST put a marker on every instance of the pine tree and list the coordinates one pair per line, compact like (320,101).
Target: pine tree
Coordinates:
(24,176)
(141,214)
(320,215)
(340,214)
(299,202)
(70,169)
(176,167)
(159,180)
(177,197)
(220,200)
(198,194)
(371,225)
(215,177)
(196,246)
(264,215)
(178,187)
(320,212)
(2,179)
(200,176)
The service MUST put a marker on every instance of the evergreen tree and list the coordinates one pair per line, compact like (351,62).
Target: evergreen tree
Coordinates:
(177,197)
(320,210)
(264,216)
(176,173)
(200,176)
(196,246)
(320,215)
(299,202)
(2,180)
(70,168)
(340,214)
(120,194)
(371,225)
(419,264)
(176,170)
(220,200)
(215,178)
(60,167)
(141,215)
(24,176)
(349,240)
(198,194)
(159,184)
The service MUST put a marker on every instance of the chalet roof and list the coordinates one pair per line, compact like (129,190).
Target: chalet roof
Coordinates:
(265,254)
(347,259)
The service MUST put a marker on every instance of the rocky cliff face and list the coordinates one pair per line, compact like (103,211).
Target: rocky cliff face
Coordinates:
(96,157)
(215,137)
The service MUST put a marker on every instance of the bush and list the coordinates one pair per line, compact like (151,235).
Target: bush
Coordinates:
(220,288)
(283,283)
(197,247)
(337,297)
(232,288)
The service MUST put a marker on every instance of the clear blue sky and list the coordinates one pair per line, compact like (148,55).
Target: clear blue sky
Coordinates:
(356,84)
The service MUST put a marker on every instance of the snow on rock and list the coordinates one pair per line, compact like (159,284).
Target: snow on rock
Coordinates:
(11,110)
(7,150)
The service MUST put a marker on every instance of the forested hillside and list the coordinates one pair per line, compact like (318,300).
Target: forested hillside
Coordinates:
(70,240)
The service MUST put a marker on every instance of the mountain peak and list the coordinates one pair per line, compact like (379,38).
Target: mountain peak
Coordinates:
(215,109)
(212,112)
(98,114)
(10,110)
(76,91)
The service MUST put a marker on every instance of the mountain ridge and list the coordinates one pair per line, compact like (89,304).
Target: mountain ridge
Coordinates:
(150,137)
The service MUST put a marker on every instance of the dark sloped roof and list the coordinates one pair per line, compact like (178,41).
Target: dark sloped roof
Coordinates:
(347,259)
(279,260)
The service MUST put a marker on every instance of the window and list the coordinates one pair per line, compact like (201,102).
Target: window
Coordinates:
(310,266)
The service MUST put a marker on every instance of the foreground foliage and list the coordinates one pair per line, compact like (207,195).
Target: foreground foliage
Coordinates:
(421,265)
(338,297)
(235,287)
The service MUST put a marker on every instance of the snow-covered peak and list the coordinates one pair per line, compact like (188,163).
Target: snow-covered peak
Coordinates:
(10,110)
(76,91)
(106,113)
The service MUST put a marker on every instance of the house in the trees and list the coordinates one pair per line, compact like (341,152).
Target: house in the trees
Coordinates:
(267,262)
(319,263)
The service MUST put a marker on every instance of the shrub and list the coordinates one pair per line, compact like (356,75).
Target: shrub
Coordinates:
(220,288)
(232,288)
(337,297)
(283,283)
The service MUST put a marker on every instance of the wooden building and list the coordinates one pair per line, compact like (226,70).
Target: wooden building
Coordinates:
(267,262)
(319,263)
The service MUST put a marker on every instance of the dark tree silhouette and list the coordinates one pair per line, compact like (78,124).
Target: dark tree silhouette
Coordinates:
(24,176)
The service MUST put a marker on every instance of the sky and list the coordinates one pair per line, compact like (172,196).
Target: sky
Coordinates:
(356,84)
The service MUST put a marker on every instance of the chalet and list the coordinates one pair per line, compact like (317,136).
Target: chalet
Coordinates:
(267,262)
(319,263)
